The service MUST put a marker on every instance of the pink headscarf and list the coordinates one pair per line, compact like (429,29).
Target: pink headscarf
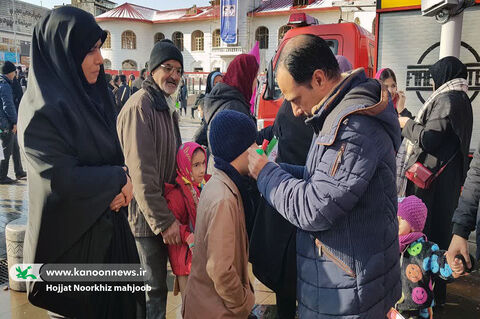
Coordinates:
(394,99)
(184,162)
(379,73)
(256,53)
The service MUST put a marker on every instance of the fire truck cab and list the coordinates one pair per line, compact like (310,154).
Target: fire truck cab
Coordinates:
(347,39)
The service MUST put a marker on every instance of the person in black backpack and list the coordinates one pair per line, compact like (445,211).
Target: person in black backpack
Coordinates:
(123,93)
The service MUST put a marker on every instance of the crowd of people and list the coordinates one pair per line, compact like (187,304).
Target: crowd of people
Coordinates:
(352,219)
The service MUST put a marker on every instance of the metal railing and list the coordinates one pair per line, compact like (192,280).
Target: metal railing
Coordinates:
(228,50)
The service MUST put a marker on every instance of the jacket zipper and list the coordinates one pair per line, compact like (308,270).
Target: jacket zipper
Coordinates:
(338,160)
(323,250)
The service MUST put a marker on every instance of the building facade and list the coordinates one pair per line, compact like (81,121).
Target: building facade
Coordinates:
(133,30)
(17,20)
(95,7)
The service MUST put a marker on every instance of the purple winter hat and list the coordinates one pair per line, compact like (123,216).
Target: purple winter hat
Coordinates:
(414,211)
(343,63)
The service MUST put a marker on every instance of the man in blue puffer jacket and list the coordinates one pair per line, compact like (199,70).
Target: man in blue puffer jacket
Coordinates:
(8,118)
(344,199)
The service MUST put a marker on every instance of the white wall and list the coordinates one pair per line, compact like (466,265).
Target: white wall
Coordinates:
(191,58)
(207,59)
(116,54)
(145,40)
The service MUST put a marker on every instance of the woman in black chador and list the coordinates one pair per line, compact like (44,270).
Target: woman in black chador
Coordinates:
(78,186)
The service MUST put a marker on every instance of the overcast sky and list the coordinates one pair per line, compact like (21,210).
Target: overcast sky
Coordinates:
(155,4)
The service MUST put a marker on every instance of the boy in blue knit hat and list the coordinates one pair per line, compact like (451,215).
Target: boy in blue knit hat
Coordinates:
(219,285)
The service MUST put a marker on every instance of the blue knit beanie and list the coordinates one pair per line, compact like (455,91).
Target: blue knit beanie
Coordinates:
(231,134)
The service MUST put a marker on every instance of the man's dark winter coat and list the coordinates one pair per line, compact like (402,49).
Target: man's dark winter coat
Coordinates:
(344,202)
(8,113)
(17,93)
(467,213)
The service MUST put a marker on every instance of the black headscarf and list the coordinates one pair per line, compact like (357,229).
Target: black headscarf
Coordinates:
(447,69)
(210,78)
(75,166)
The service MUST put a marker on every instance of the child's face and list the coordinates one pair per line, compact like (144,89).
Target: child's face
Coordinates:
(198,166)
(404,227)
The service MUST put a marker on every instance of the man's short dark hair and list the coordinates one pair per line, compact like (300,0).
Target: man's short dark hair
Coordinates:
(123,78)
(306,54)
(108,77)
(142,73)
(116,78)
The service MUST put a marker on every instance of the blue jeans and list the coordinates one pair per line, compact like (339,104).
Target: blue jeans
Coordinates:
(153,255)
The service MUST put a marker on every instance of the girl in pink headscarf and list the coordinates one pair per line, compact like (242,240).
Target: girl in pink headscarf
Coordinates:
(388,78)
(182,199)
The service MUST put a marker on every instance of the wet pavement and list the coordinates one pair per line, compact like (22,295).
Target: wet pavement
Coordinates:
(13,205)
(463,295)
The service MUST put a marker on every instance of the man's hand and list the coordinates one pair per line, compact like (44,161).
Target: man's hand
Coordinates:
(256,162)
(118,202)
(458,246)
(127,191)
(171,236)
(403,121)
(14,129)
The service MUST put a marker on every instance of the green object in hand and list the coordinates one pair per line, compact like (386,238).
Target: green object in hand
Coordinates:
(260,151)
(272,145)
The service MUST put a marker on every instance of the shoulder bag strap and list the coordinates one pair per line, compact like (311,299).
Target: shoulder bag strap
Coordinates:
(448,162)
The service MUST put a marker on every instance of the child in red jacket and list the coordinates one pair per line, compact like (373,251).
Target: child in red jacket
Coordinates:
(182,199)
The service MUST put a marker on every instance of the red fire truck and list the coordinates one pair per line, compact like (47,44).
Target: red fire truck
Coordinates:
(347,39)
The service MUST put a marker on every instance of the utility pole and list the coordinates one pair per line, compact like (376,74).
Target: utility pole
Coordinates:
(450,15)
(451,36)
(15,31)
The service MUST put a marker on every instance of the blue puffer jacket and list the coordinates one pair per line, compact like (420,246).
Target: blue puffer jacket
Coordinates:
(8,113)
(345,205)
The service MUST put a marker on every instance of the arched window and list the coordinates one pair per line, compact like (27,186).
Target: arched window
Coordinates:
(177,38)
(216,38)
(129,65)
(108,41)
(282,31)
(159,36)
(129,40)
(197,41)
(261,35)
(107,64)
(297,3)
